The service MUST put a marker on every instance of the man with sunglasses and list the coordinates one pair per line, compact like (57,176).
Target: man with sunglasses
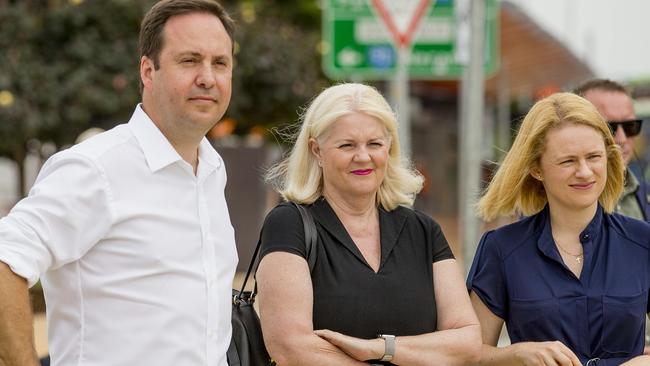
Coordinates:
(615,104)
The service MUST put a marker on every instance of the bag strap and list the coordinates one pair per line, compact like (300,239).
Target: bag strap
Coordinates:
(311,235)
(311,238)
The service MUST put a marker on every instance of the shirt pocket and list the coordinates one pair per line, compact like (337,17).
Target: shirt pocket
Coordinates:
(535,320)
(623,321)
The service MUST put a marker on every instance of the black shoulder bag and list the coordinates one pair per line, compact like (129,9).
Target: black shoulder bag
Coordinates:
(247,344)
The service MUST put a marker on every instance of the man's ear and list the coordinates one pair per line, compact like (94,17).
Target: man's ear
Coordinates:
(147,69)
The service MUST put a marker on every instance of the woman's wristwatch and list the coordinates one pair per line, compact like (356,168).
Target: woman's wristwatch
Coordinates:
(389,346)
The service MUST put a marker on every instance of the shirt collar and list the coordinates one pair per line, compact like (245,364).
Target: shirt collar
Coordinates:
(391,225)
(546,244)
(593,229)
(325,215)
(208,155)
(158,151)
(631,183)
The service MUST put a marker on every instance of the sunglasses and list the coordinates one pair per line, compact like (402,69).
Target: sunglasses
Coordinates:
(631,127)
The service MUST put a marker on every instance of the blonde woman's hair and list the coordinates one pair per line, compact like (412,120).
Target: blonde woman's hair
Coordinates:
(298,178)
(514,191)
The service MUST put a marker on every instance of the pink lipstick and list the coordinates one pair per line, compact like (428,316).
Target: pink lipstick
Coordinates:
(362,171)
(583,185)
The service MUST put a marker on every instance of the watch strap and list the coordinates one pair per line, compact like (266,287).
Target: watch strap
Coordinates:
(389,347)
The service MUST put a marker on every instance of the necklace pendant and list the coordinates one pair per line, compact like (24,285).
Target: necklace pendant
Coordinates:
(579,259)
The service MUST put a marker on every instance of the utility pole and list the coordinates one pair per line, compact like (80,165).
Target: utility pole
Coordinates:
(402,19)
(472,106)
(400,94)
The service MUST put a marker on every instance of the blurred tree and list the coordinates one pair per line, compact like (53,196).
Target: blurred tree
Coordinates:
(278,64)
(90,52)
(66,66)
(17,122)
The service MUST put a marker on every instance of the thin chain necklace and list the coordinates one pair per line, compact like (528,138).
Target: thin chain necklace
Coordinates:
(578,257)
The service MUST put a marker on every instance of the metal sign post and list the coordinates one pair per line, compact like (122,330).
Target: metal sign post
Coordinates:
(473,92)
(400,95)
(402,19)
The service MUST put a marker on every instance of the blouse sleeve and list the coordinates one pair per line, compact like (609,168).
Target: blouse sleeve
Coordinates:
(283,231)
(429,230)
(441,249)
(486,277)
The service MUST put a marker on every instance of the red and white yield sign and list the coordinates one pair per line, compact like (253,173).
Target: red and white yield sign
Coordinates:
(402,17)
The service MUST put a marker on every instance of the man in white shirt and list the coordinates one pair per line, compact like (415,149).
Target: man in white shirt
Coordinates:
(129,231)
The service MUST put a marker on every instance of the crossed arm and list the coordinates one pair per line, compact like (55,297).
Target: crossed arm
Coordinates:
(525,353)
(16,330)
(286,300)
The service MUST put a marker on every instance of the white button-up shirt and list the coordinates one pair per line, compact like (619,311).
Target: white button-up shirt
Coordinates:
(136,252)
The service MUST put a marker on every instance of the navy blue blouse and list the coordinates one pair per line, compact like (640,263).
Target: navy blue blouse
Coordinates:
(519,275)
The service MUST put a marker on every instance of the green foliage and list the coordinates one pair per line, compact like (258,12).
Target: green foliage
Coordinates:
(90,52)
(277,71)
(68,69)
(71,67)
(16,120)
(305,14)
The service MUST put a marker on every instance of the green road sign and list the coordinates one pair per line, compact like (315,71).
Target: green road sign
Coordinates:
(358,44)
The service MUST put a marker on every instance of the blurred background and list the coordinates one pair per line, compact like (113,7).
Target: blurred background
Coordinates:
(67,66)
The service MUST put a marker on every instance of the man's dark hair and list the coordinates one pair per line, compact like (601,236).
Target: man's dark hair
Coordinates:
(600,84)
(153,23)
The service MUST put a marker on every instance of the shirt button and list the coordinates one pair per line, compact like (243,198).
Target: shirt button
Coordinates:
(585,237)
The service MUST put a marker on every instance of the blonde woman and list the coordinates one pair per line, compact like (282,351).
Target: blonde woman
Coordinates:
(381,268)
(571,280)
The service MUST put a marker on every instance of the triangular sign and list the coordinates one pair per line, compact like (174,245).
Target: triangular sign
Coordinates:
(401,17)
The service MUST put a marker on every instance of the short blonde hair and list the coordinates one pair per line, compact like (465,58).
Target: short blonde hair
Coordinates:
(514,191)
(298,178)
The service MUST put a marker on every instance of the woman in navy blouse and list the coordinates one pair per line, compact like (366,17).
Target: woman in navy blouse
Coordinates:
(571,280)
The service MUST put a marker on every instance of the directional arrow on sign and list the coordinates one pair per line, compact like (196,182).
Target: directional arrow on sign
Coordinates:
(402,17)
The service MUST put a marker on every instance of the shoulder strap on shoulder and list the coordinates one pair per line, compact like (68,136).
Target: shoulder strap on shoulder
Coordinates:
(311,235)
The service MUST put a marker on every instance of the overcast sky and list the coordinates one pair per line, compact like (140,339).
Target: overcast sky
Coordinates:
(612,36)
